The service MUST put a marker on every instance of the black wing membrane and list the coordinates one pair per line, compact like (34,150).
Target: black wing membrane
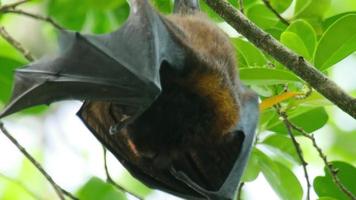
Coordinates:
(122,66)
(201,173)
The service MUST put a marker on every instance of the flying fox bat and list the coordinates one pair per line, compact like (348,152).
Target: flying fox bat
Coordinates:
(161,93)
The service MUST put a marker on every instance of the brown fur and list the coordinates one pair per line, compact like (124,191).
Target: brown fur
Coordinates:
(189,126)
(197,108)
(215,80)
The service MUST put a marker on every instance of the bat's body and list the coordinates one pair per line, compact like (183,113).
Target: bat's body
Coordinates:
(198,106)
(161,93)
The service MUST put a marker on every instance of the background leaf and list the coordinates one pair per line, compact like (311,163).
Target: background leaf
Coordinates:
(280,6)
(262,16)
(251,55)
(252,169)
(265,76)
(96,189)
(305,33)
(311,8)
(310,118)
(7,68)
(281,149)
(338,41)
(282,180)
(324,185)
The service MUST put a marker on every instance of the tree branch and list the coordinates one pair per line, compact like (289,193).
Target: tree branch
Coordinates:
(297,147)
(111,181)
(285,56)
(332,170)
(16,44)
(269,6)
(60,191)
(20,184)
(34,16)
(13,5)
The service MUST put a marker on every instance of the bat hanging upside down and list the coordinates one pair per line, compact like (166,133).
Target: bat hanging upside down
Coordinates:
(162,93)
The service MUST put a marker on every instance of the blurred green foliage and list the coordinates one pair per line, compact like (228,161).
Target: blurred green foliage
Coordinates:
(323,31)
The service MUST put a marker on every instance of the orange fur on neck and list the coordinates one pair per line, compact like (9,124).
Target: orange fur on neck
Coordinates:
(210,87)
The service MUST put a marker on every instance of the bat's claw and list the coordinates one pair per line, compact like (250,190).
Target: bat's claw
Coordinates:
(189,182)
(116,128)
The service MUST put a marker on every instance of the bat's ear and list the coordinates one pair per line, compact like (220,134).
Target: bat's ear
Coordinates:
(186,6)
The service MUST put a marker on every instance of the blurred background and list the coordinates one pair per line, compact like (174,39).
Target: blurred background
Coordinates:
(73,156)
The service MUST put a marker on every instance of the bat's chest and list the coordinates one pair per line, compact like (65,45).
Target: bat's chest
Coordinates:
(174,119)
(183,116)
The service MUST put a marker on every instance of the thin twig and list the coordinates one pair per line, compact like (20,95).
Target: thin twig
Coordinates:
(285,56)
(20,184)
(55,186)
(329,166)
(16,44)
(241,2)
(68,194)
(297,147)
(13,5)
(111,181)
(239,194)
(34,16)
(269,6)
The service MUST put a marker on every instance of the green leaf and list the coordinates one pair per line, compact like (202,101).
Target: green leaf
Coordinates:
(324,185)
(311,8)
(338,41)
(7,67)
(246,3)
(326,198)
(262,16)
(306,34)
(133,185)
(100,22)
(329,21)
(341,6)
(308,118)
(96,189)
(30,178)
(252,169)
(265,76)
(282,147)
(277,30)
(104,4)
(294,42)
(8,51)
(121,13)
(251,55)
(265,117)
(263,90)
(301,5)
(163,6)
(280,5)
(282,180)
(62,11)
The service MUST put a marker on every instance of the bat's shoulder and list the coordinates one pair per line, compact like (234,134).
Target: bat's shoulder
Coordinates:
(202,34)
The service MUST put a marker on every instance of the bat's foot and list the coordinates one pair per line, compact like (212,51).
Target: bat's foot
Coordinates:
(185,179)
(116,128)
